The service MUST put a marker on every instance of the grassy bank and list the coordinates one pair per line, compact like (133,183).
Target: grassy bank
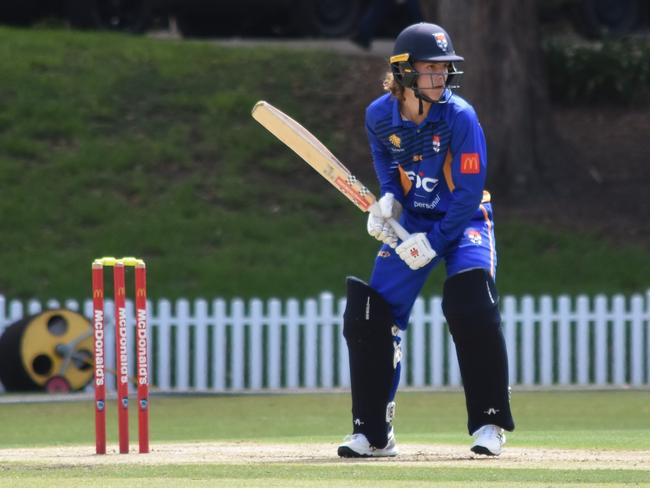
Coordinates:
(115,145)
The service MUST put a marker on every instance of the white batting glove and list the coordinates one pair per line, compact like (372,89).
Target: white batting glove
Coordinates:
(416,251)
(378,227)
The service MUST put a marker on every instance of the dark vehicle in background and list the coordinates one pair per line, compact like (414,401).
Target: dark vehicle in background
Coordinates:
(596,19)
(327,18)
(320,18)
(123,15)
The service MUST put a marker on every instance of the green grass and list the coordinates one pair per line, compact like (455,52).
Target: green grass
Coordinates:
(546,419)
(118,145)
(591,420)
(325,476)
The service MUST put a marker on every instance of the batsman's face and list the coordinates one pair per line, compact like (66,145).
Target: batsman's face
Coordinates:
(432,79)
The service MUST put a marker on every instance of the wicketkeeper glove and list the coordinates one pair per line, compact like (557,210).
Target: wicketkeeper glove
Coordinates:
(378,227)
(416,251)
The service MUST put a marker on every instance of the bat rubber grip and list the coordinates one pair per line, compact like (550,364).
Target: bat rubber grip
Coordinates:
(401,232)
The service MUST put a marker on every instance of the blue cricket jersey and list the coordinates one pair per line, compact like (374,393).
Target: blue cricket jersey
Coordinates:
(437,169)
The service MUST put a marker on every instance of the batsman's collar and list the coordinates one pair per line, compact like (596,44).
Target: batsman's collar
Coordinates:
(434,111)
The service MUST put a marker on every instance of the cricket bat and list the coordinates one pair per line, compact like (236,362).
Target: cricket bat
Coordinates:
(309,148)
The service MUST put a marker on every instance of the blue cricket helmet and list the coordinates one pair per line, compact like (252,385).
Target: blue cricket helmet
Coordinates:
(422,42)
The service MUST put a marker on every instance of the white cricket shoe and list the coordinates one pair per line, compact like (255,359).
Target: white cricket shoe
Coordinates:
(357,445)
(488,440)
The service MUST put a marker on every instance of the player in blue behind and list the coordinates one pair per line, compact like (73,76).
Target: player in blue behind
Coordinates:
(429,154)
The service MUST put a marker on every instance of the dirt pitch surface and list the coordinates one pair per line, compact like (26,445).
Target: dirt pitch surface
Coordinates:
(252,453)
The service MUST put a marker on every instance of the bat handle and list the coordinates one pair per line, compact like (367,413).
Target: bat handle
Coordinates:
(401,232)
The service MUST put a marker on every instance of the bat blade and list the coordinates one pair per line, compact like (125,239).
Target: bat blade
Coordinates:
(309,148)
(314,153)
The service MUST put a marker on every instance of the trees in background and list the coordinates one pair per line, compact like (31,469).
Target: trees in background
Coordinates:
(505,81)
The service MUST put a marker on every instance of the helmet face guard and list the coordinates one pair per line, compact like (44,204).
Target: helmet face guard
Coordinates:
(405,74)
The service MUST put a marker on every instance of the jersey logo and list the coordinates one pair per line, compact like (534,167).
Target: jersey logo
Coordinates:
(395,140)
(470,163)
(421,181)
(435,141)
(474,236)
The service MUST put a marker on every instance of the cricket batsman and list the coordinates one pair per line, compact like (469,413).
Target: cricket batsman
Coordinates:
(429,154)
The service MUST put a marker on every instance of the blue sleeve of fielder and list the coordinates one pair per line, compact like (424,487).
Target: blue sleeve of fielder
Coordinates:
(385,167)
(468,173)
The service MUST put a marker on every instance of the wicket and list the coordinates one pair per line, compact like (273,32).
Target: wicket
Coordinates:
(121,352)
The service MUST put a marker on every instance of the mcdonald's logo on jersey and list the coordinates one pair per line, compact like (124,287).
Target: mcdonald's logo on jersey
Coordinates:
(470,163)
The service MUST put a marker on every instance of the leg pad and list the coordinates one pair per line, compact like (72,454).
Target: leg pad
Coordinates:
(374,356)
(470,304)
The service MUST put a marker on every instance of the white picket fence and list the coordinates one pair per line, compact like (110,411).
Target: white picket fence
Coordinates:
(237,345)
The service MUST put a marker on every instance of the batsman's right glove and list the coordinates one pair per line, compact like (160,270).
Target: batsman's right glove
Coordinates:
(416,251)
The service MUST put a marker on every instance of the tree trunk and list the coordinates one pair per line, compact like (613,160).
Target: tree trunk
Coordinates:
(429,10)
(504,81)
